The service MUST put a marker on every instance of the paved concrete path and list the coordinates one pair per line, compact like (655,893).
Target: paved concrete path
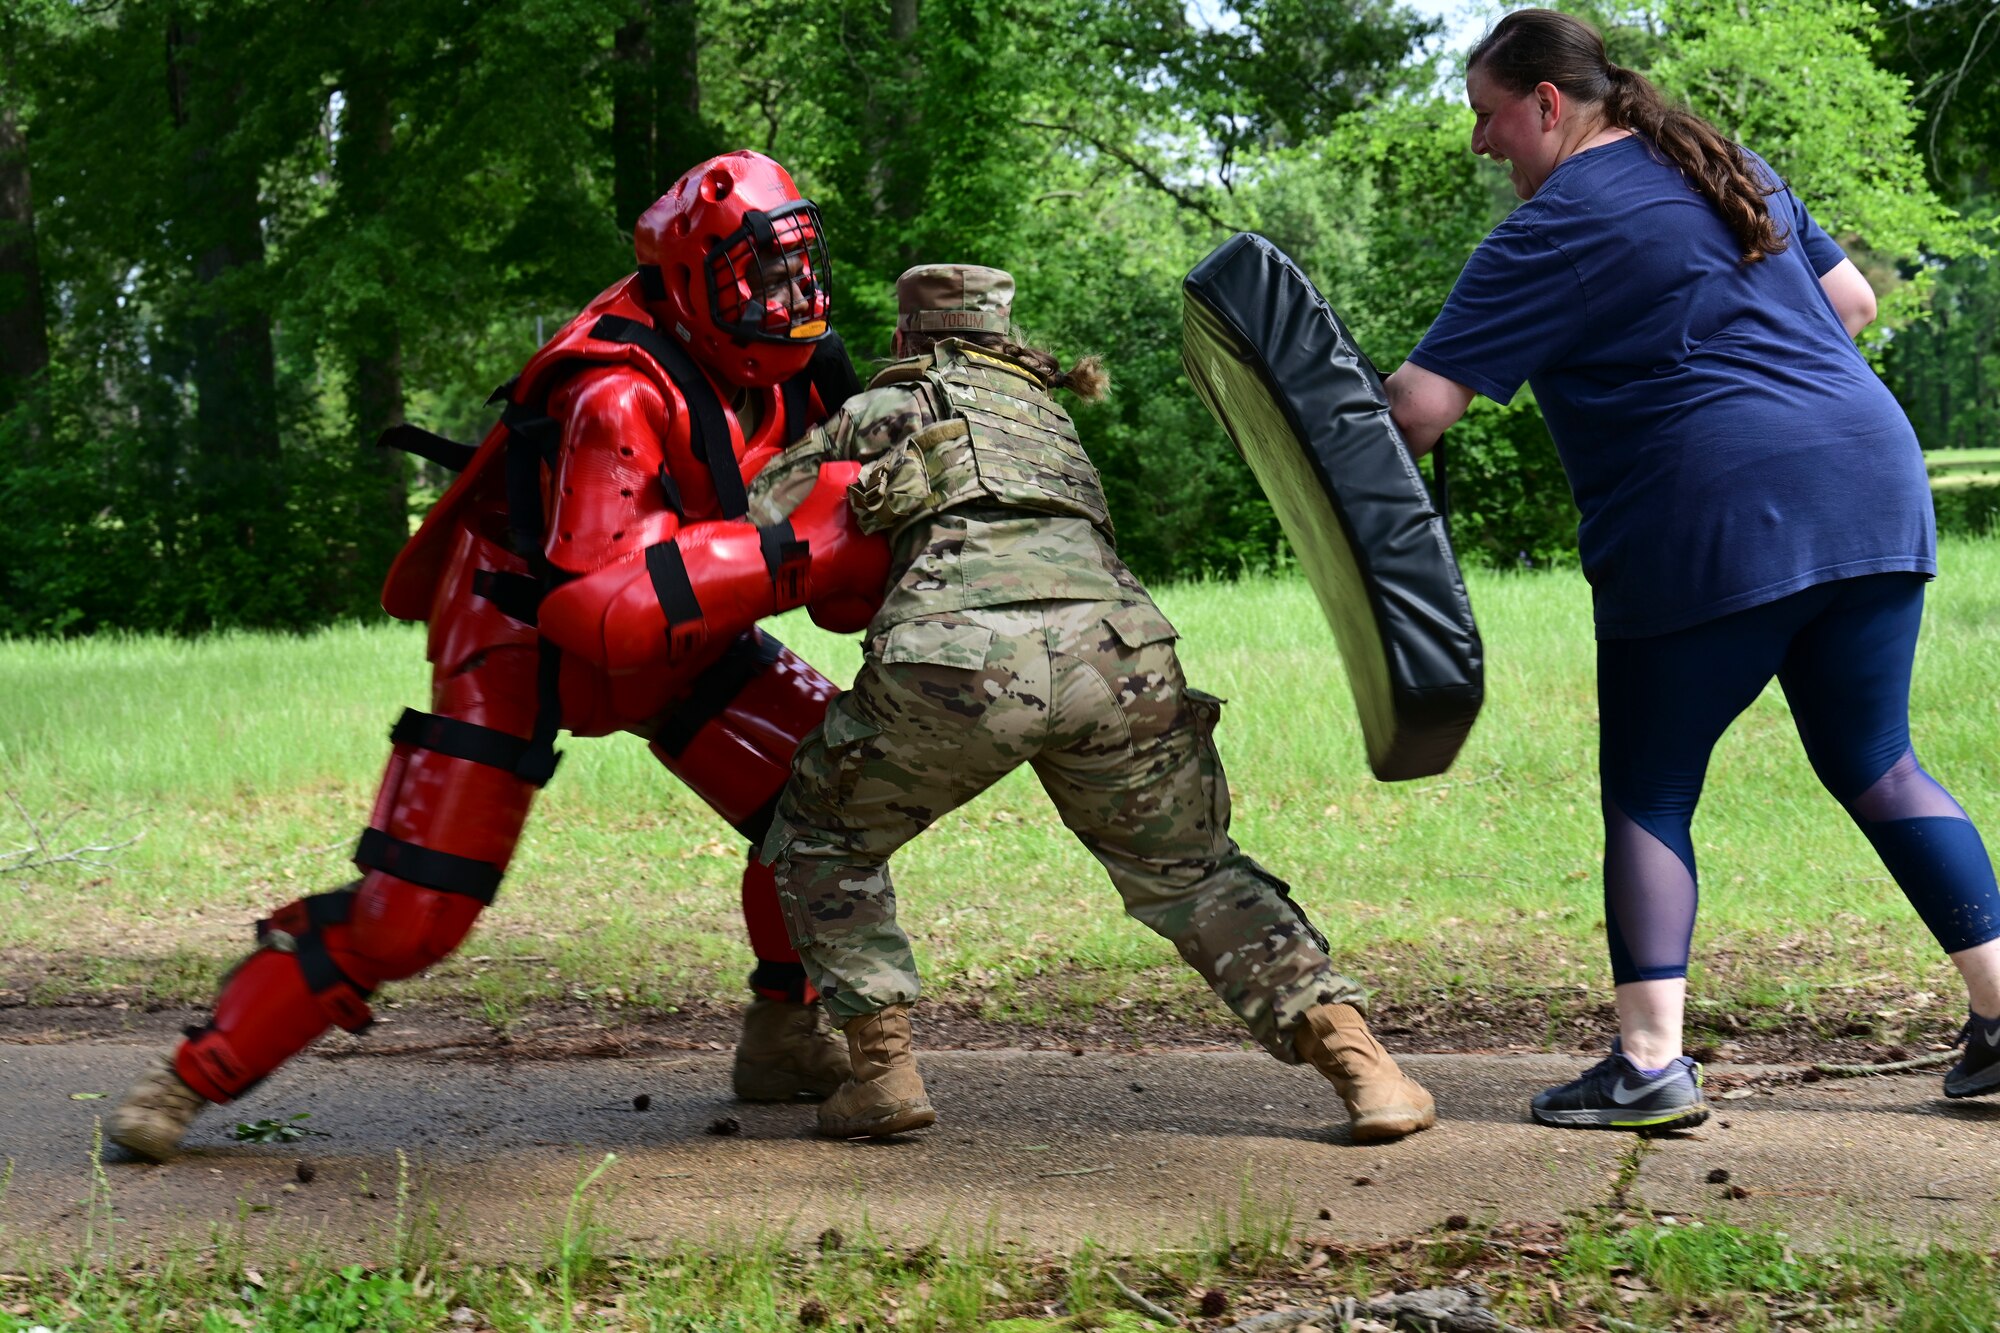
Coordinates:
(1047,1148)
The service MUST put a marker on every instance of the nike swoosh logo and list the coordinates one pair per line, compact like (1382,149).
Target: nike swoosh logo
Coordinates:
(1992,1036)
(1625,1094)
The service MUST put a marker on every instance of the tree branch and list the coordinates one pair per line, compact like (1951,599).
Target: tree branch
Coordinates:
(1144,172)
(42,851)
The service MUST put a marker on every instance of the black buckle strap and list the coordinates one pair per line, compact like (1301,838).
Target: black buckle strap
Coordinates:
(709,427)
(675,591)
(447,454)
(749,657)
(517,595)
(788,558)
(322,974)
(671,585)
(469,741)
(478,880)
(319,910)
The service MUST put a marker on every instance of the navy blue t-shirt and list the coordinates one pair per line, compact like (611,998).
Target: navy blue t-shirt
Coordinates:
(1725,442)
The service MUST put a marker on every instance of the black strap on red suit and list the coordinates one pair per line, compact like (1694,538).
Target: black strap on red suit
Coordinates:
(710,428)
(831,372)
(442,871)
(321,909)
(782,546)
(750,656)
(472,742)
(517,595)
(539,764)
(758,824)
(447,454)
(322,974)
(671,491)
(795,400)
(533,439)
(304,942)
(671,584)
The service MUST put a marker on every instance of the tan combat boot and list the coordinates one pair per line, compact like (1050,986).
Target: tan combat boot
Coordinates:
(885,1095)
(784,1053)
(155,1112)
(1383,1101)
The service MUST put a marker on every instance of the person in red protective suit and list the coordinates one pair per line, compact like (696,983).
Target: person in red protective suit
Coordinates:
(591,570)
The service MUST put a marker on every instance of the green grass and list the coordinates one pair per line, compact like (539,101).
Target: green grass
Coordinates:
(1606,1268)
(1953,469)
(248,764)
(1943,460)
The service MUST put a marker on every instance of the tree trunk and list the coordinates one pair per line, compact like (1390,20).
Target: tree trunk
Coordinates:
(24,342)
(903,163)
(236,424)
(657,131)
(365,166)
(681,138)
(633,179)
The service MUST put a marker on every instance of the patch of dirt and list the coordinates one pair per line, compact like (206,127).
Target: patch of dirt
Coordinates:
(571,1030)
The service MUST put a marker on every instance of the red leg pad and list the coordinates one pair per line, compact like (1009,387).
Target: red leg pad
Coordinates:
(765,923)
(761,915)
(397,929)
(264,1016)
(266,1012)
(739,759)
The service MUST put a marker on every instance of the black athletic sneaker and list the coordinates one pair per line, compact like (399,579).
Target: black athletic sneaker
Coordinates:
(1614,1093)
(1979,1072)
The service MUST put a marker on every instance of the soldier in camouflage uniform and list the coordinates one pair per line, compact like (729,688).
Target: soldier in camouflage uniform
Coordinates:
(1011,633)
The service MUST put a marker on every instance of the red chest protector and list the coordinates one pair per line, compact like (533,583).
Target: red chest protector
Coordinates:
(696,471)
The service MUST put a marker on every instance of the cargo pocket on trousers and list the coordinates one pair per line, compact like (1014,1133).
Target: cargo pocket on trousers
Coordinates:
(798,917)
(1206,711)
(945,643)
(844,738)
(1140,624)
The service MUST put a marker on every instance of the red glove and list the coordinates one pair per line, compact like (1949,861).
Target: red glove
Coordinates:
(849,568)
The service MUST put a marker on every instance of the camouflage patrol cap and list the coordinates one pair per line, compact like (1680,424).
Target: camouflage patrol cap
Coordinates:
(953,298)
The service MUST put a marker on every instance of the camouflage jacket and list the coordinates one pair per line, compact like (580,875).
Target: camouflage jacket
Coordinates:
(1020,520)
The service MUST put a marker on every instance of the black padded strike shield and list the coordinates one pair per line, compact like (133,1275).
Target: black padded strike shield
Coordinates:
(1308,413)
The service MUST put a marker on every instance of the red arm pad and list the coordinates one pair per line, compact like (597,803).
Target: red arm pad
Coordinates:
(850,568)
(710,583)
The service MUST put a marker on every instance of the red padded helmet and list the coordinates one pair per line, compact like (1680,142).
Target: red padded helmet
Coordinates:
(734,265)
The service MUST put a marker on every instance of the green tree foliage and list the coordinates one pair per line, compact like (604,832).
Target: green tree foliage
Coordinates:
(1946,367)
(262,232)
(1798,83)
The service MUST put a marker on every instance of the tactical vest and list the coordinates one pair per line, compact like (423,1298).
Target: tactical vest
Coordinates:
(1000,440)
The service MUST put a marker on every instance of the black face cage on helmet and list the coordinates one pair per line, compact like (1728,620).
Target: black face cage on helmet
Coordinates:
(779,258)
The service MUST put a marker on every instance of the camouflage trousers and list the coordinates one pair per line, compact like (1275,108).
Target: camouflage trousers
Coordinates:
(1090,694)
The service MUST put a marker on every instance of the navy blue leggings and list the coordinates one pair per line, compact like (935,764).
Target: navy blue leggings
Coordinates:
(1842,651)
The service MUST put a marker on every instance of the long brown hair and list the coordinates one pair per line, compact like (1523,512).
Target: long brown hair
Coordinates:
(1531,46)
(1087,379)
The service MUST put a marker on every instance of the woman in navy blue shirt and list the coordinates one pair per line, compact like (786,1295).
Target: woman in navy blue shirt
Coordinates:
(1753,504)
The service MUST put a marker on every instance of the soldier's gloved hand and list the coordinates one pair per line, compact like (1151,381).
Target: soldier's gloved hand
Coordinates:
(849,567)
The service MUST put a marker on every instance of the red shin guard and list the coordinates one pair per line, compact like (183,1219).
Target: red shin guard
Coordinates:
(265,1015)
